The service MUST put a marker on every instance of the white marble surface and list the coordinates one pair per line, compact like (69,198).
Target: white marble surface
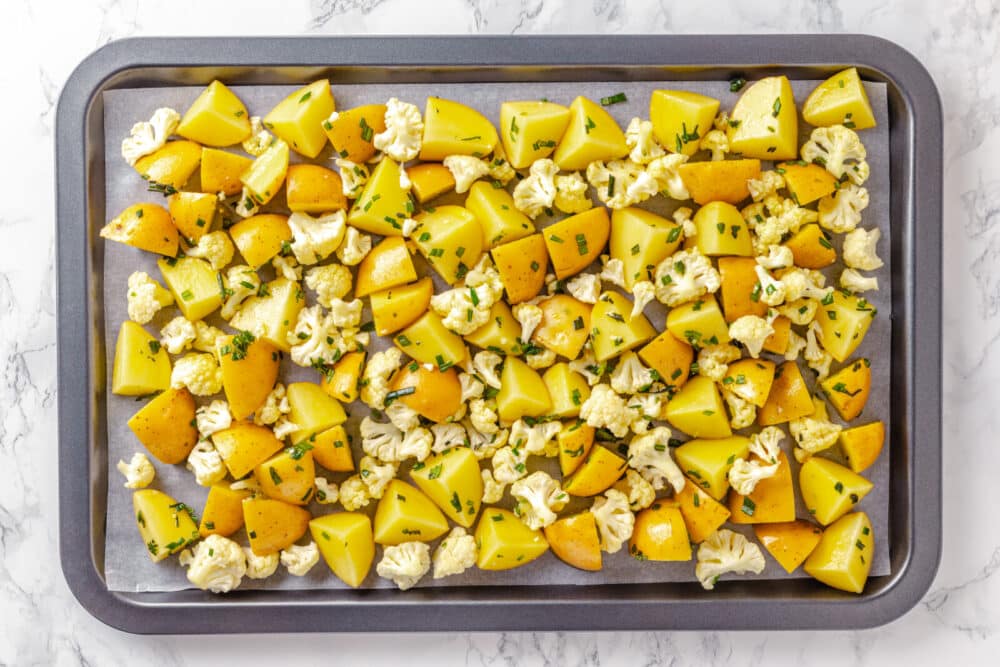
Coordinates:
(40,42)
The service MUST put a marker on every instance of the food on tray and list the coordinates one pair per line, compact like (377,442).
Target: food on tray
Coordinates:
(501,276)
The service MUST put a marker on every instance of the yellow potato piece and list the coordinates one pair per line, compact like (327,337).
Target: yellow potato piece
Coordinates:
(862,445)
(722,231)
(811,247)
(451,239)
(522,265)
(741,290)
(298,118)
(575,541)
(660,534)
(505,542)
(724,180)
(697,409)
(849,387)
(840,100)
(707,461)
(807,183)
(245,445)
(272,315)
(788,399)
(221,171)
(433,393)
(592,134)
(641,240)
(267,173)
(312,409)
(764,123)
(352,131)
(567,389)
(843,557)
(289,476)
(575,242)
(702,513)
(452,480)
(345,540)
(165,425)
(522,392)
(681,118)
(429,341)
(141,365)
(398,307)
(531,130)
(387,265)
(494,209)
(405,514)
(613,330)
(429,180)
(217,117)
(342,383)
(750,379)
(272,525)
(669,357)
(171,167)
(260,238)
(829,490)
(249,370)
(699,322)
(311,188)
(192,213)
(502,334)
(844,320)
(383,204)
(223,512)
(165,525)
(565,325)
(575,441)
(452,128)
(600,469)
(772,500)
(145,226)
(790,543)
(194,284)
(332,450)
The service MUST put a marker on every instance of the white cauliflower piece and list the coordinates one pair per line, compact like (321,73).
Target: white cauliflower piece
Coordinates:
(139,472)
(630,376)
(459,311)
(346,314)
(838,149)
(485,445)
(148,137)
(245,205)
(713,360)
(314,339)
(145,297)
(571,193)
(284,428)
(241,283)
(485,364)
(621,183)
(612,271)
(744,475)
(537,191)
(588,367)
(666,172)
(405,563)
(777,257)
(813,435)
(800,311)
(645,408)
(375,477)
(402,416)
(485,280)
(466,170)
(205,336)
(492,489)
(639,491)
(840,212)
(818,358)
(606,409)
(206,463)
(643,292)
(796,344)
(859,249)
(784,217)
(353,493)
(327,492)
(500,168)
(217,564)
(274,408)
(448,435)
(472,387)
(752,331)
(614,518)
(456,553)
(509,464)
(716,141)
(200,373)
(537,499)
(353,177)
(483,416)
(260,567)
(259,140)
(329,282)
(766,445)
(529,316)
(404,128)
(726,551)
(533,439)
(354,248)
(298,559)
(766,186)
(685,276)
(178,335)
(212,418)
(857,282)
(387,443)
(772,291)
(215,247)
(639,137)
(586,287)
(682,217)
(314,239)
(742,413)
(649,454)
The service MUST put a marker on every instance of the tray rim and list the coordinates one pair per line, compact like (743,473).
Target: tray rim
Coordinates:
(515,609)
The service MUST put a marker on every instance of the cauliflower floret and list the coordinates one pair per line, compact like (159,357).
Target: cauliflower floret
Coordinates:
(405,563)
(643,292)
(331,281)
(200,373)
(588,367)
(649,454)
(529,316)
(713,360)
(314,239)
(241,283)
(742,413)
(346,314)
(456,553)
(537,499)
(585,287)
(840,212)
(375,477)
(145,297)
(509,464)
(716,141)
(353,177)
(800,311)
(483,416)
(206,464)
(682,217)
(314,338)
(818,358)
(404,130)
(639,137)
(326,491)
(772,291)
(766,445)
(726,551)
(685,276)
(645,408)
(459,311)
(777,257)
(492,490)
(615,520)
(484,445)
(149,137)
(744,475)
(766,186)
(666,172)
(640,492)
(212,418)
(612,271)
(260,139)
(387,443)
(205,336)
(752,331)
(284,428)
(353,493)
(539,359)
(571,193)
(812,435)
(537,191)
(606,409)
(245,205)
(796,344)
(177,335)
(500,169)
(274,408)
(621,183)
(859,249)
(354,248)
(217,564)
(466,170)
(485,364)
(784,217)
(856,282)
(298,560)
(215,247)
(402,416)
(631,377)
(260,567)
(448,435)
(139,472)
(839,150)
(533,439)
(472,387)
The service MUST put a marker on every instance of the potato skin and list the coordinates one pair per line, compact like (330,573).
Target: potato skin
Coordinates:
(165,425)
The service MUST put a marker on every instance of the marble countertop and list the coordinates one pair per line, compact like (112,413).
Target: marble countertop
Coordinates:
(958,41)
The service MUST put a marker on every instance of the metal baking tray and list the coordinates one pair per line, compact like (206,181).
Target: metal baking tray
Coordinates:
(915,437)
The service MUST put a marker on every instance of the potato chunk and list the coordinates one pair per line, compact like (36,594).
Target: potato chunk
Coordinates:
(452,480)
(843,558)
(346,542)
(165,525)
(505,542)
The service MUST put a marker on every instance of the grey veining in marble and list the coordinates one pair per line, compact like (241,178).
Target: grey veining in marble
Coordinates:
(959,41)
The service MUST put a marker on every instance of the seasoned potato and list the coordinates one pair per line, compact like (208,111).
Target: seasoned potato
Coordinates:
(724,180)
(707,462)
(273,525)
(565,325)
(764,123)
(843,558)
(600,469)
(165,425)
(429,180)
(530,130)
(221,171)
(145,226)
(840,100)
(452,480)
(722,231)
(807,183)
(332,449)
(312,409)
(194,284)
(314,189)
(405,514)
(641,240)
(264,177)
(505,542)
(383,204)
(273,314)
(788,399)
(790,543)
(398,307)
(451,239)
(575,441)
(192,213)
(778,341)
(741,288)
(166,526)
(259,238)
(452,128)
(849,387)
(575,541)
(171,167)
(567,389)
(750,379)
(351,132)
(811,247)
(522,265)
(698,322)
(613,330)
(522,392)
(575,242)
(429,341)
(681,118)
(223,513)
(494,208)
(830,490)
(844,320)
(669,357)
(592,134)
(249,371)
(772,500)
(342,383)
(697,409)
(141,365)
(862,445)
(289,476)
(502,334)
(245,445)
(216,118)
(702,513)
(387,265)
(433,393)
(345,539)
(660,534)
(298,119)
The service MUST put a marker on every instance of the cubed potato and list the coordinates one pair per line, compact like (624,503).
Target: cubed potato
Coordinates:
(575,242)
(384,203)
(840,100)
(591,135)
(387,265)
(346,542)
(405,514)
(567,389)
(505,542)
(862,445)
(298,119)
(452,480)
(764,123)
(843,558)
(660,534)
(192,213)
(351,132)
(166,425)
(750,379)
(681,118)
(530,130)
(844,320)
(311,188)
(272,314)
(221,171)
(777,342)
(697,410)
(429,180)
(724,180)
(849,387)
(501,334)
(312,409)
(722,231)
(811,247)
(565,325)
(166,526)
(249,370)
(223,512)
(522,392)
(433,393)
(641,240)
(575,541)
(398,307)
(194,284)
(141,365)
(772,500)
(806,182)
(145,226)
(830,490)
(698,322)
(342,382)
(494,208)
(451,239)
(272,525)
(707,462)
(452,128)
(702,513)
(217,117)
(600,469)
(788,399)
(429,341)
(522,265)
(263,179)
(169,168)
(245,445)
(288,476)
(575,441)
(790,543)
(613,330)
(259,238)
(332,449)
(669,357)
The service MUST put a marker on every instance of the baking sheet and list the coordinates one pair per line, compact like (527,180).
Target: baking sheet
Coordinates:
(127,566)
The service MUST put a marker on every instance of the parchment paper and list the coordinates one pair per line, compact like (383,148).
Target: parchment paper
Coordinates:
(127,564)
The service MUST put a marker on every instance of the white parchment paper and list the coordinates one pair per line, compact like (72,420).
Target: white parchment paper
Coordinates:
(127,564)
